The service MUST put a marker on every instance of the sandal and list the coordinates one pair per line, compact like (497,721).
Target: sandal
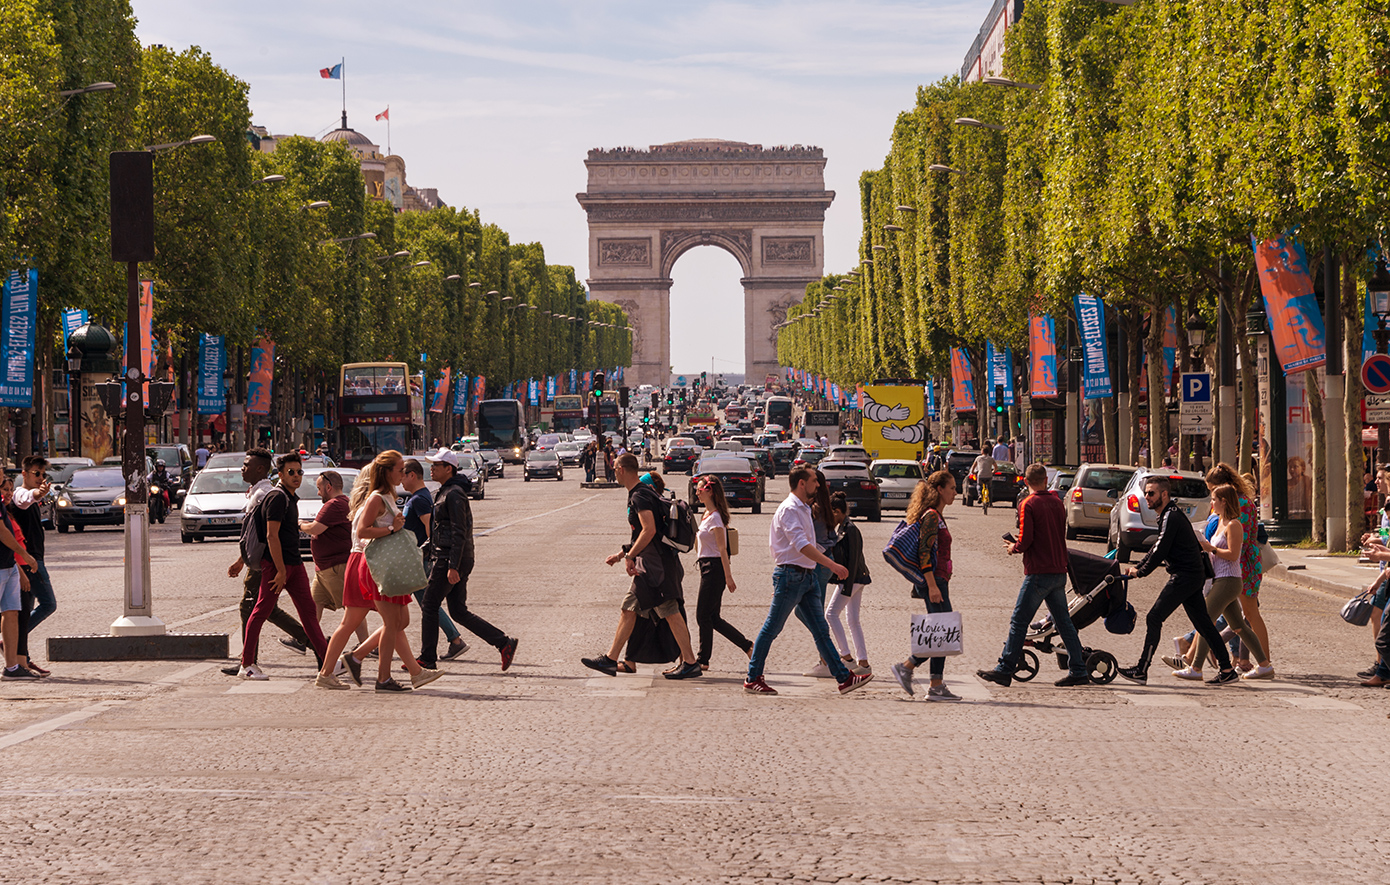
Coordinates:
(626,667)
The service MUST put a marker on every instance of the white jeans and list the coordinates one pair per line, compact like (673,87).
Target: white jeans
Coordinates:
(837,603)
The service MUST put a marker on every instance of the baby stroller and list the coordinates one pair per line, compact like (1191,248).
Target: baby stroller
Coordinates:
(1098,590)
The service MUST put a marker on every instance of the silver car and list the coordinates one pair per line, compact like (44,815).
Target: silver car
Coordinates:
(1134,525)
(214,506)
(1092,497)
(896,480)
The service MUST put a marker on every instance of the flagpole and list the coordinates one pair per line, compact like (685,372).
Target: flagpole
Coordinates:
(344,79)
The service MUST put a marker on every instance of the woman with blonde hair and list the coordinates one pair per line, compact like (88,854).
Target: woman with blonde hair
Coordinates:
(374,514)
(929,498)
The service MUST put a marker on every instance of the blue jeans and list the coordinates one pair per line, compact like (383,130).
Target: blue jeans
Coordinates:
(1036,590)
(938,665)
(796,590)
(42,589)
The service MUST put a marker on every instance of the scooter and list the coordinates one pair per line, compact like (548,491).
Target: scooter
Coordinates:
(159,507)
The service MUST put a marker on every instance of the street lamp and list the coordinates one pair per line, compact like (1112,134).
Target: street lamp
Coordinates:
(318,204)
(942,167)
(100,86)
(1196,333)
(167,146)
(1005,81)
(363,236)
(971,121)
(271,179)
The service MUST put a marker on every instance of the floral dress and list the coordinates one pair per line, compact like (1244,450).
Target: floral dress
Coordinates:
(1250,567)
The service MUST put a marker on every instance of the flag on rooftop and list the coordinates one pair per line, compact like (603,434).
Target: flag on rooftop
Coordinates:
(333,73)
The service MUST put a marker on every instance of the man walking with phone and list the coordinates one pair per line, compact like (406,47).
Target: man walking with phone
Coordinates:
(1042,541)
(795,588)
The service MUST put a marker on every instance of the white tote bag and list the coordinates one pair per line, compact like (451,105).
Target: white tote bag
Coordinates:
(937,635)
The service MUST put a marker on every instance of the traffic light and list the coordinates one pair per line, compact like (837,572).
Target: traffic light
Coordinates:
(622,397)
(682,393)
(656,402)
(999,407)
(598,384)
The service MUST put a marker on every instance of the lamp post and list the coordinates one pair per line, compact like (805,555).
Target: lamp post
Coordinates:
(1196,339)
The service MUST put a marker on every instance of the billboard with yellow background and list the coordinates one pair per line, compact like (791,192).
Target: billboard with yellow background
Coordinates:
(895,420)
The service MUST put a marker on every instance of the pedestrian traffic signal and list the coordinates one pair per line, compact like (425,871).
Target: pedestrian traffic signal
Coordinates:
(656,402)
(998,399)
(622,397)
(598,384)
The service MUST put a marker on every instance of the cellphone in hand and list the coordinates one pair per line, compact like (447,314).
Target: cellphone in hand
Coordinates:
(1009,536)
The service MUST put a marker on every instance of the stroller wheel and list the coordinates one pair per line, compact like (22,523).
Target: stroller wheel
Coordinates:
(1102,666)
(1027,666)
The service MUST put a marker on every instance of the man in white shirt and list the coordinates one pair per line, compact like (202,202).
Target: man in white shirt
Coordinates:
(795,587)
(1001,451)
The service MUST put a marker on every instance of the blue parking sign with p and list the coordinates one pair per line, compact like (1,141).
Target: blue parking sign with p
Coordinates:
(1196,387)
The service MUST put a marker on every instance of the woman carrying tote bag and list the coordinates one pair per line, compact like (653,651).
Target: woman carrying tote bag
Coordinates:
(929,498)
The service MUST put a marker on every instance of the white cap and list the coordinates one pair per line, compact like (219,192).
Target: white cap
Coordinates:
(448,456)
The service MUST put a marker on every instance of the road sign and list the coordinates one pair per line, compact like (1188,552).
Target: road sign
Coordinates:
(1375,373)
(1377,408)
(1196,409)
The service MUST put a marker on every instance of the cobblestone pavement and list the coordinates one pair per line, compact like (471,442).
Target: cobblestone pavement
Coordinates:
(171,772)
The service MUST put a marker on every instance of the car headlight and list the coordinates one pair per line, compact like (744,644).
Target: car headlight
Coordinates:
(64,501)
(119,502)
(191,509)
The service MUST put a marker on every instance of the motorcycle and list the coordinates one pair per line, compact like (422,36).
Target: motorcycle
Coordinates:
(159,504)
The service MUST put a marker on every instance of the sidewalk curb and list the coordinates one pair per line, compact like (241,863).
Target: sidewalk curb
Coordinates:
(1302,580)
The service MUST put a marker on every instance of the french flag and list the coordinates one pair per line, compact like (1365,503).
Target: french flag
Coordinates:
(333,73)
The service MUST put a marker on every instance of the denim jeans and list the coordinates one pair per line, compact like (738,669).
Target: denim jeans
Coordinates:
(1036,590)
(937,667)
(796,590)
(42,588)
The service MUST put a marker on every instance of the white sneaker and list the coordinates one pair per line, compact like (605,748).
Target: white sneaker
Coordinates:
(858,670)
(1189,674)
(1265,672)
(819,671)
(251,671)
(341,668)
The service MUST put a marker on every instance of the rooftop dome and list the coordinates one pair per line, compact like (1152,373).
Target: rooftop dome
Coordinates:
(351,136)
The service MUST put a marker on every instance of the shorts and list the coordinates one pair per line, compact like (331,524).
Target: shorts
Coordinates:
(1382,595)
(327,588)
(663,610)
(9,589)
(359,589)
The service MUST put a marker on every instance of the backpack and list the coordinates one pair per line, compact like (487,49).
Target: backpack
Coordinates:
(253,546)
(901,552)
(680,526)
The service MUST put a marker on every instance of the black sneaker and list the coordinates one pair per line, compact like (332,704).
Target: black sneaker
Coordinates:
(18,672)
(233,670)
(687,671)
(456,648)
(1368,672)
(998,677)
(390,685)
(1071,679)
(1225,677)
(295,645)
(602,663)
(508,651)
(1134,674)
(354,667)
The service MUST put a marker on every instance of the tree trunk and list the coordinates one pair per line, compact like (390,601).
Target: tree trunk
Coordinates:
(1351,347)
(1135,355)
(1320,478)
(1158,406)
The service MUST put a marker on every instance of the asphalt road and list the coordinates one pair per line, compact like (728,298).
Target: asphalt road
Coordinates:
(171,772)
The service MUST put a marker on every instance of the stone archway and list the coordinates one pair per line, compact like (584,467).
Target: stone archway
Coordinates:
(766,207)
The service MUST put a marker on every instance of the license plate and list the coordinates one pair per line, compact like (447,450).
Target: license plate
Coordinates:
(1105,509)
(222,520)
(895,494)
(91,511)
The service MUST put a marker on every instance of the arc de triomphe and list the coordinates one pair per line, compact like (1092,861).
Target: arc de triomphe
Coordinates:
(647,208)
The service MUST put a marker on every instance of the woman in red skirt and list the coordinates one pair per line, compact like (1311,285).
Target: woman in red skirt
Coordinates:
(374,515)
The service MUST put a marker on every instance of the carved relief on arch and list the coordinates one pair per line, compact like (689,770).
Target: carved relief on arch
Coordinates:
(777,313)
(633,309)
(675,243)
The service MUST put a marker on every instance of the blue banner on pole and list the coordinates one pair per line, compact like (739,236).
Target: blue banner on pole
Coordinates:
(1001,372)
(532,392)
(550,388)
(18,318)
(1095,357)
(72,320)
(212,363)
(931,398)
(461,388)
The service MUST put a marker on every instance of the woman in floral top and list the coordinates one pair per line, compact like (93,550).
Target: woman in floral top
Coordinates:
(1250,567)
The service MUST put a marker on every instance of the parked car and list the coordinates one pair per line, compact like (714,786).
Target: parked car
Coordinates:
(216,504)
(958,464)
(860,488)
(1003,485)
(1134,525)
(93,496)
(850,453)
(896,480)
(309,503)
(569,453)
(1092,496)
(736,476)
(542,465)
(495,465)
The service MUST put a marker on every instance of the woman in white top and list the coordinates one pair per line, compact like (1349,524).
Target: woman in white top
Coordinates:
(374,515)
(716,573)
(1224,598)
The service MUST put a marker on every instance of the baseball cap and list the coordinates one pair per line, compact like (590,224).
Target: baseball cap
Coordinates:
(448,456)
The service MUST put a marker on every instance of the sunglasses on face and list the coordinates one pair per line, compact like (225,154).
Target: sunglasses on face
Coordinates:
(289,472)
(1151,494)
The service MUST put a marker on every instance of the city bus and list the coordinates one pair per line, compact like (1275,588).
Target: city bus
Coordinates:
(568,413)
(826,423)
(779,412)
(380,407)
(502,426)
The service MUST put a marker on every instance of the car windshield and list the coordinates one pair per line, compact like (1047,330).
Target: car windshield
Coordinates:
(97,478)
(540,456)
(168,454)
(898,471)
(568,447)
(489,455)
(466,461)
(1188,488)
(311,476)
(60,473)
(225,459)
(548,439)
(1105,480)
(219,482)
(724,465)
(841,467)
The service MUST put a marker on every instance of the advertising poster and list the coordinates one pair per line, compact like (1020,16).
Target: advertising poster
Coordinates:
(19,311)
(931,399)
(1095,357)
(441,392)
(95,423)
(479,389)
(962,381)
(1001,372)
(212,362)
(1295,322)
(550,388)
(895,420)
(262,372)
(1042,356)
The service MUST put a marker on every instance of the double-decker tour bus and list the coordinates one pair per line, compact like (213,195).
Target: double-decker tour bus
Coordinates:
(609,415)
(568,415)
(380,407)
(502,426)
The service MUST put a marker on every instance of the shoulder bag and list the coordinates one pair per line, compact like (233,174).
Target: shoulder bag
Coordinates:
(1357,611)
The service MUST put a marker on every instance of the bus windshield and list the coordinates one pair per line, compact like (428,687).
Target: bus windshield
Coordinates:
(376,379)
(500,427)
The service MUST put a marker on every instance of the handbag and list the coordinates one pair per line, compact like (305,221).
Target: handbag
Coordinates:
(937,635)
(901,552)
(731,540)
(1357,611)
(1268,557)
(397,564)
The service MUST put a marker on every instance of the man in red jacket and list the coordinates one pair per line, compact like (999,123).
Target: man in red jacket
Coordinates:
(1042,541)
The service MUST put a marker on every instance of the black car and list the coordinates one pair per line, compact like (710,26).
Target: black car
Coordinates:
(542,465)
(811,456)
(680,457)
(783,454)
(702,437)
(737,477)
(94,496)
(1003,486)
(958,465)
(495,465)
(858,484)
(764,457)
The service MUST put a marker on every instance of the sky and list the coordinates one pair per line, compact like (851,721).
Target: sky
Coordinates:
(497,104)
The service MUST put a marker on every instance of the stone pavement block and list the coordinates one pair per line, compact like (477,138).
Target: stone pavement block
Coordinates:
(272,686)
(1157,698)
